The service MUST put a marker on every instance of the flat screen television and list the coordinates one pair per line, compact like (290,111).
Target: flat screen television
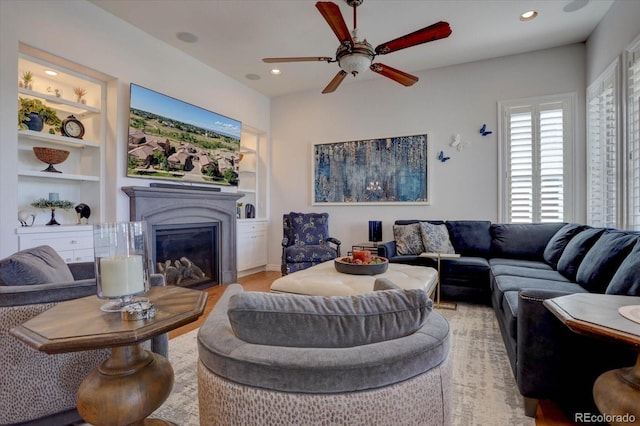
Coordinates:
(173,140)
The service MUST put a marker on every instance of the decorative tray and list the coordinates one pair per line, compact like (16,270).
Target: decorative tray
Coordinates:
(377,265)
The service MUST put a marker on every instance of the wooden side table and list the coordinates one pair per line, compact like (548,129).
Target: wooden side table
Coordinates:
(133,382)
(438,256)
(616,392)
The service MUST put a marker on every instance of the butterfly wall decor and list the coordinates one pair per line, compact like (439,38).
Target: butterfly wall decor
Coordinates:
(442,158)
(484,131)
(457,142)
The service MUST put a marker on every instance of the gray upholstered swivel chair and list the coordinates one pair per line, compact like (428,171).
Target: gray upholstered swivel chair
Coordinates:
(380,358)
(37,388)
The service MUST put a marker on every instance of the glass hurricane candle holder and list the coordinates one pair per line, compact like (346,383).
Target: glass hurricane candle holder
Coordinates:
(122,263)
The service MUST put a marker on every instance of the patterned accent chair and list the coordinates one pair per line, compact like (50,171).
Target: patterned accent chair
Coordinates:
(305,241)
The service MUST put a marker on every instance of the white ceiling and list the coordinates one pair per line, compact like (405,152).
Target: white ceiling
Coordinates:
(234,35)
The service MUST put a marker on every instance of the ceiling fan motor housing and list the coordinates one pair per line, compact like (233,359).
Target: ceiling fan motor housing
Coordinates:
(356,59)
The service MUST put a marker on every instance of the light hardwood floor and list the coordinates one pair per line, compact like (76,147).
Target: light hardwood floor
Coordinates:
(548,413)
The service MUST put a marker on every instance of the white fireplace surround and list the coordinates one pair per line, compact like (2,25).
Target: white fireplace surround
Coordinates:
(179,206)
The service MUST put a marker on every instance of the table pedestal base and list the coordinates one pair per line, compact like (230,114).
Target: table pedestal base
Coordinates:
(617,394)
(126,388)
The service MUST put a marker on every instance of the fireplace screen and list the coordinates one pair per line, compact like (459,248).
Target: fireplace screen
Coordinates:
(187,255)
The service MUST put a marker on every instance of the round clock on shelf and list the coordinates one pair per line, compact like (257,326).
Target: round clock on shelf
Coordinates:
(72,127)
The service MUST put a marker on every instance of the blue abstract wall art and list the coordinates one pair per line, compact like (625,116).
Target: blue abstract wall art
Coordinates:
(382,171)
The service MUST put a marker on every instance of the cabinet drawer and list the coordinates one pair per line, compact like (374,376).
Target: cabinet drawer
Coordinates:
(66,241)
(75,256)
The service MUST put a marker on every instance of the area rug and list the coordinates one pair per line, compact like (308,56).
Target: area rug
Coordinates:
(484,390)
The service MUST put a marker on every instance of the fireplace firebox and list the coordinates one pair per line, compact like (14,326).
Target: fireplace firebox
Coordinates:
(187,254)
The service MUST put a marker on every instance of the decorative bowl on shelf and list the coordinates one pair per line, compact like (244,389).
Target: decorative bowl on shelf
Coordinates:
(50,156)
(347,265)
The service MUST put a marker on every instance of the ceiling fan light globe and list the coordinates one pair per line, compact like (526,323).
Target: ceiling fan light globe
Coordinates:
(354,63)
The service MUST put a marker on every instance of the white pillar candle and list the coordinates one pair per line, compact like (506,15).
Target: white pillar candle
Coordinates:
(121,275)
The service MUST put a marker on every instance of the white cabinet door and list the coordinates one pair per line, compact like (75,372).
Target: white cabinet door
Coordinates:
(73,246)
(252,244)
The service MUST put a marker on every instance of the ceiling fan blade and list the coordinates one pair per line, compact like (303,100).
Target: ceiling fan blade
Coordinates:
(331,13)
(394,74)
(298,59)
(433,32)
(335,82)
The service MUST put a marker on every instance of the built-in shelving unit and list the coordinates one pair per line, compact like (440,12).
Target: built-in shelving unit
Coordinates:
(252,232)
(82,174)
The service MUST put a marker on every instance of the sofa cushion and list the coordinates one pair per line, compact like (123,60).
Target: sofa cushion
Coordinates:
(470,237)
(435,238)
(559,241)
(504,283)
(408,238)
(465,271)
(576,249)
(37,265)
(294,320)
(602,260)
(523,271)
(533,264)
(309,228)
(522,240)
(626,280)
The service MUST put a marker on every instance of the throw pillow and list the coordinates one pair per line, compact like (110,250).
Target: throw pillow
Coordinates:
(309,228)
(559,241)
(408,239)
(626,280)
(38,265)
(576,250)
(602,261)
(295,320)
(470,237)
(435,238)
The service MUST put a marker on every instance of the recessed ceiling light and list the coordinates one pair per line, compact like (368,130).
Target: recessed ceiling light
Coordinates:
(252,77)
(50,72)
(187,37)
(528,15)
(275,71)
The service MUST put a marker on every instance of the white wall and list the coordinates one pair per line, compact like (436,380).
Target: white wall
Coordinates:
(620,27)
(85,34)
(457,99)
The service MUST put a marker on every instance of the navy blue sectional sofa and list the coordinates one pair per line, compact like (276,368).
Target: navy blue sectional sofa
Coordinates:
(515,267)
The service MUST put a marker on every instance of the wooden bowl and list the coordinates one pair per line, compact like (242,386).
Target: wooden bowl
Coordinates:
(344,266)
(50,156)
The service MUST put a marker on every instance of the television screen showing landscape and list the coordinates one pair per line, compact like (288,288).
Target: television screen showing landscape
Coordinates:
(174,140)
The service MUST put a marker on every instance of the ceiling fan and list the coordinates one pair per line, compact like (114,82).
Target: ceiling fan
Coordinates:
(355,56)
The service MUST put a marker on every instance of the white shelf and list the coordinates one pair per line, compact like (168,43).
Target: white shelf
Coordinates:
(61,103)
(62,176)
(57,139)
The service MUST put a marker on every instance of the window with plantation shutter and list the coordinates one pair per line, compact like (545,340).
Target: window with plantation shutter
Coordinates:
(536,141)
(632,184)
(603,140)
